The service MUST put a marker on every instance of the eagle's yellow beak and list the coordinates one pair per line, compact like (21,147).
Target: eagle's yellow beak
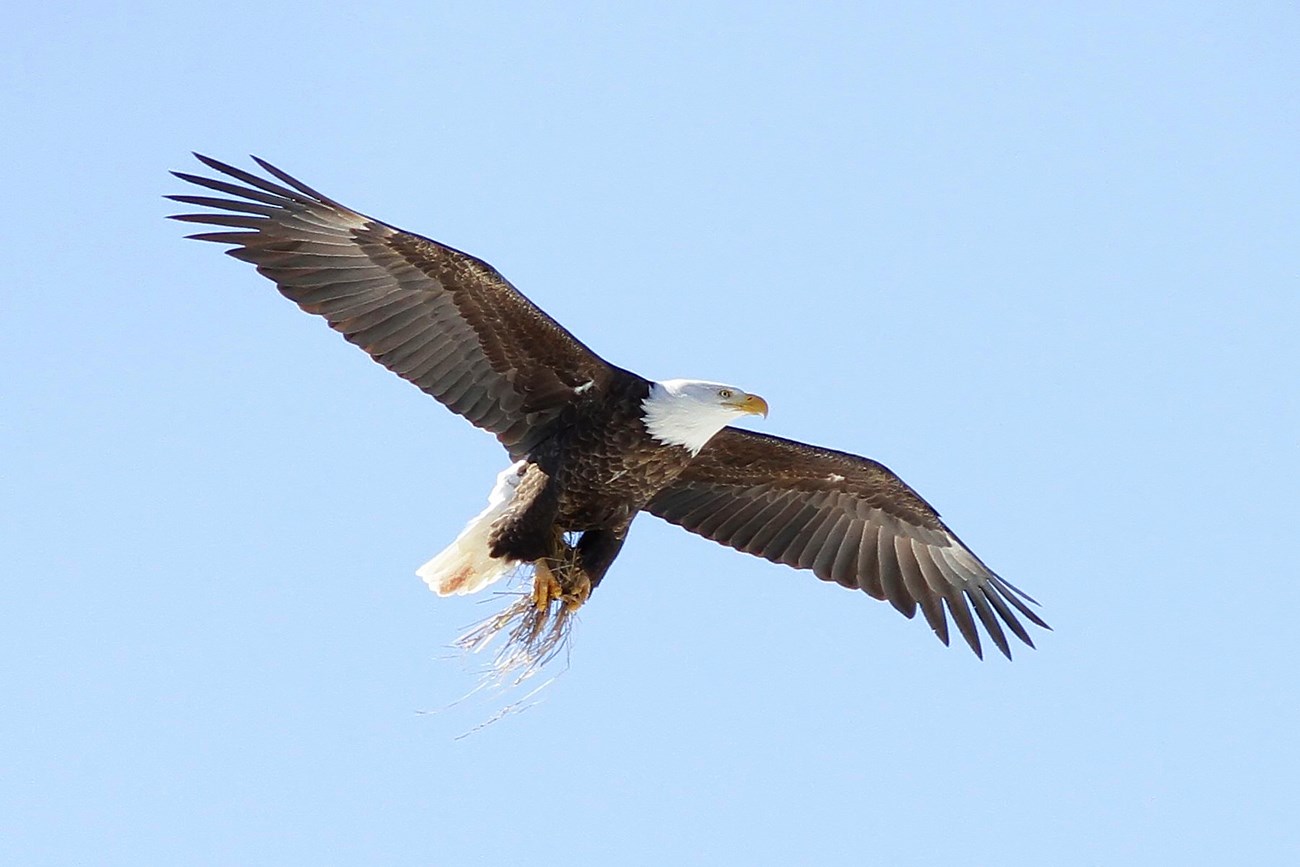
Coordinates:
(750,403)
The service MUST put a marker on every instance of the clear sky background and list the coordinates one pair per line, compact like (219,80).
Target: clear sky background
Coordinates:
(1040,259)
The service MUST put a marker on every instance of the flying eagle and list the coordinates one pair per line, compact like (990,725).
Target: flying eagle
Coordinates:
(592,445)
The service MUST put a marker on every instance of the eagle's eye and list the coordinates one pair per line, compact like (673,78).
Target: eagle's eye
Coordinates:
(724,393)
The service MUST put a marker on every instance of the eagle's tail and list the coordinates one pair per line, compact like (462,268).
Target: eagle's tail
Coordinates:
(467,566)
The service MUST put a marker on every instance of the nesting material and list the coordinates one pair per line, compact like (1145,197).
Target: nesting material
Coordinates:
(537,625)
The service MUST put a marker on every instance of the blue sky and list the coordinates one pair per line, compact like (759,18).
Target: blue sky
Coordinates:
(1040,259)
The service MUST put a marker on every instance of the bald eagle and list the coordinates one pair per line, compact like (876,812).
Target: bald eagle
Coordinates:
(592,445)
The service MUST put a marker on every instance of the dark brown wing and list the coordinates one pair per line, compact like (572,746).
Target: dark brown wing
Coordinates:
(445,321)
(847,518)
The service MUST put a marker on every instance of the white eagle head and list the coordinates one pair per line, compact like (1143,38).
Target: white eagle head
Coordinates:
(688,412)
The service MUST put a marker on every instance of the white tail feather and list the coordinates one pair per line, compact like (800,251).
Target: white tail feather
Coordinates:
(466,566)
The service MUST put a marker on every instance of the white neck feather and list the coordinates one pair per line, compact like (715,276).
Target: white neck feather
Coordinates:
(676,417)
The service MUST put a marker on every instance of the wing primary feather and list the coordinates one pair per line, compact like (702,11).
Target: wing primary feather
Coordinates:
(685,506)
(891,579)
(234,189)
(709,522)
(456,388)
(479,409)
(361,313)
(420,365)
(1007,615)
(869,562)
(825,558)
(990,621)
(383,310)
(314,285)
(813,546)
(404,360)
(467,398)
(446,365)
(733,530)
(782,530)
(783,547)
(952,574)
(236,221)
(311,250)
(950,593)
(956,601)
(225,205)
(237,238)
(745,537)
(305,276)
(1012,595)
(393,333)
(410,350)
(844,571)
(253,180)
(295,183)
(914,581)
(803,530)
(1007,585)
(413,331)
(982,582)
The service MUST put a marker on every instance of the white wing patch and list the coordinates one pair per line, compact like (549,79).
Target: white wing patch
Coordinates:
(835,477)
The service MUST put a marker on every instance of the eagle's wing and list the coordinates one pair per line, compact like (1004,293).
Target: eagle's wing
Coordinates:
(847,518)
(444,320)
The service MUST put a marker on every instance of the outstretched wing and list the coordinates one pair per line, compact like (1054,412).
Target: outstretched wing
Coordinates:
(444,320)
(847,518)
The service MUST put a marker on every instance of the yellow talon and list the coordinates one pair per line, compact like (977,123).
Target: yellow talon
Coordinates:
(546,587)
(577,593)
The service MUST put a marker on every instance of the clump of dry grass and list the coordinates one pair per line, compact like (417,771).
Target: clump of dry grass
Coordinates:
(537,626)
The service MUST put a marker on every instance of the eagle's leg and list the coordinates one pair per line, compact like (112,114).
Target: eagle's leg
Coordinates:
(576,584)
(560,577)
(595,553)
(570,573)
